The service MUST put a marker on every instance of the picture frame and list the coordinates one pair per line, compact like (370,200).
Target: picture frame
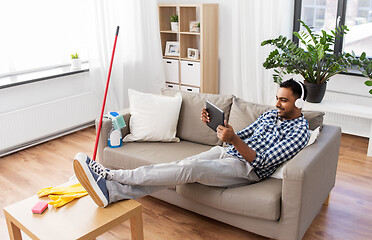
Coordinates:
(193,53)
(172,48)
(193,25)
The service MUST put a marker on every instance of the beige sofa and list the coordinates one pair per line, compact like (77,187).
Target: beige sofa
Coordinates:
(275,208)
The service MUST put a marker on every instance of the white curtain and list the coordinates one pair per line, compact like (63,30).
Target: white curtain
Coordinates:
(137,61)
(253,22)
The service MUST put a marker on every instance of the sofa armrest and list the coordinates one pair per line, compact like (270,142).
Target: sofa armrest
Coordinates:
(106,128)
(307,181)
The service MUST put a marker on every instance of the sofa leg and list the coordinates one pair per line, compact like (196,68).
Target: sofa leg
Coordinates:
(327,200)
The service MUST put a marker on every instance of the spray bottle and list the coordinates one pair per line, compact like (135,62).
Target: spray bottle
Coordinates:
(115,137)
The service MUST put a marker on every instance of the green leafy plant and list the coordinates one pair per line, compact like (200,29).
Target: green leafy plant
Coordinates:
(174,18)
(198,25)
(76,56)
(316,62)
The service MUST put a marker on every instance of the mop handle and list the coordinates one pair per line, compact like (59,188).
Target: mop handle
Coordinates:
(104,98)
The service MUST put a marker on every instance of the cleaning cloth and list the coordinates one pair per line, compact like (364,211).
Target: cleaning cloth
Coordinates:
(63,195)
(72,189)
(61,200)
(117,120)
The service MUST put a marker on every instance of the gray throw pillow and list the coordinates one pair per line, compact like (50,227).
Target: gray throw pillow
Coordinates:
(314,118)
(244,113)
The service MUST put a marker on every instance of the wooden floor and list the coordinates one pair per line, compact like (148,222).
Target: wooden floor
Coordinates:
(348,216)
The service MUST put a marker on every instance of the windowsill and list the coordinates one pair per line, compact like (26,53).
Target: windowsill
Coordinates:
(31,77)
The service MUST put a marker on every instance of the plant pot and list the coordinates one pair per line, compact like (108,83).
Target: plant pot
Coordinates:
(174,26)
(315,92)
(198,30)
(75,64)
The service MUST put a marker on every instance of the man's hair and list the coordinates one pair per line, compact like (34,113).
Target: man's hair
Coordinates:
(295,87)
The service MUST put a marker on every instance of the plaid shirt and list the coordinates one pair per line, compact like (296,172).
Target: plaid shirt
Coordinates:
(274,144)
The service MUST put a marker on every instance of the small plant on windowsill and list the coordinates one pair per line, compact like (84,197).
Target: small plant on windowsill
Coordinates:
(316,62)
(75,62)
(174,22)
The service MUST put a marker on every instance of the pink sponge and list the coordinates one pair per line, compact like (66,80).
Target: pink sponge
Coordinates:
(40,207)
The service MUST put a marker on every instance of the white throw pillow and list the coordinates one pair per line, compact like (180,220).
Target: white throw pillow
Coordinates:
(313,136)
(153,117)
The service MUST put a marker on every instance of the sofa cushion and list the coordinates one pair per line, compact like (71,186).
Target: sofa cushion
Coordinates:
(190,127)
(314,118)
(244,113)
(153,117)
(133,155)
(260,200)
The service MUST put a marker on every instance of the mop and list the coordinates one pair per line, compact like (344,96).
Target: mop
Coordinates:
(104,98)
(64,195)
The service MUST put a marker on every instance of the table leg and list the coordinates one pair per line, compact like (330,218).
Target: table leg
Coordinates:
(14,231)
(136,226)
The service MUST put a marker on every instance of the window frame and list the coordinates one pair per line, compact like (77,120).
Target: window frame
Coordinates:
(340,21)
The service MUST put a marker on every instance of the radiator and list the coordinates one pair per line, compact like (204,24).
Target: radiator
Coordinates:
(27,125)
(349,124)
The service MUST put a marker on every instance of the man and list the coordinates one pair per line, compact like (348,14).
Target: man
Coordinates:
(253,154)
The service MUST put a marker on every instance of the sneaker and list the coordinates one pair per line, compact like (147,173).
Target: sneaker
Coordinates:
(95,166)
(93,183)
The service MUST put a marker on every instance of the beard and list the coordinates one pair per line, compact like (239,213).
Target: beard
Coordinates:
(282,112)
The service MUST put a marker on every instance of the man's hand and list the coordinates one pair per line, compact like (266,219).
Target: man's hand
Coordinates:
(226,134)
(205,116)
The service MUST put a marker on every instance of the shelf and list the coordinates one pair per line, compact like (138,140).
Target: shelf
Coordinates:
(164,16)
(189,41)
(168,32)
(190,33)
(203,76)
(187,14)
(171,57)
(190,59)
(168,5)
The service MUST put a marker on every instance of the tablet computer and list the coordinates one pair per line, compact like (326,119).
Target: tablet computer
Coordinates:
(216,116)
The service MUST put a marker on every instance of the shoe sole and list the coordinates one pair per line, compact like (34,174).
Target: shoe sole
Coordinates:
(86,179)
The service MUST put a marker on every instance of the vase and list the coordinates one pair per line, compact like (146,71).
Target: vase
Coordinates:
(174,26)
(315,92)
(75,64)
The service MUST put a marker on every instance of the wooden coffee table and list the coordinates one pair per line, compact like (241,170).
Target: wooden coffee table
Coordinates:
(79,219)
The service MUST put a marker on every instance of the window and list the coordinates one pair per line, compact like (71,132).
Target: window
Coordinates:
(42,33)
(327,14)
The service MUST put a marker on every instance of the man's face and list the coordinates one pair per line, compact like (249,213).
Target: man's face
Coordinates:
(285,103)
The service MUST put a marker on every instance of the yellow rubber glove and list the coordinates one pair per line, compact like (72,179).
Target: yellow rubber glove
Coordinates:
(75,188)
(61,200)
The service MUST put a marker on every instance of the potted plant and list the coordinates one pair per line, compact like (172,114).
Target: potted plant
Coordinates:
(198,27)
(174,22)
(316,62)
(75,62)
